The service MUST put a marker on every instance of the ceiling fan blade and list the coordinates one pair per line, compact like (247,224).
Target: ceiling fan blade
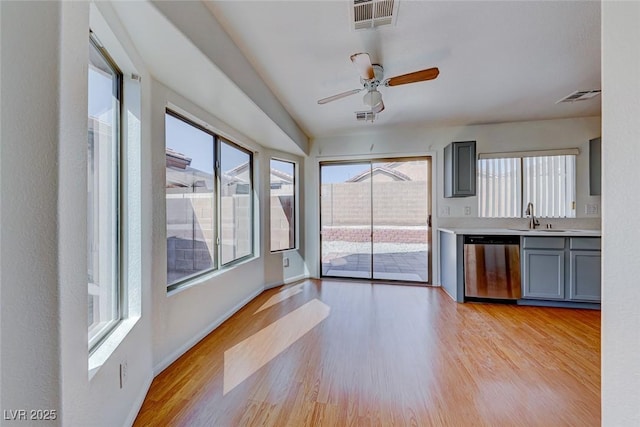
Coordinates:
(363,64)
(339,96)
(378,108)
(416,76)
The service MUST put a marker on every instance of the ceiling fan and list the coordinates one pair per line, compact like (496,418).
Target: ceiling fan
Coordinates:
(371,76)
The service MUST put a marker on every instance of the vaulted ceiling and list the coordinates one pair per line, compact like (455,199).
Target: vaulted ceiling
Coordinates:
(261,66)
(499,61)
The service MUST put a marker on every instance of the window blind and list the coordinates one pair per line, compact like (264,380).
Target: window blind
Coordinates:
(507,184)
(549,183)
(499,188)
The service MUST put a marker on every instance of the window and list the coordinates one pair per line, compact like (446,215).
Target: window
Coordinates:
(207,226)
(507,184)
(282,205)
(103,194)
(500,188)
(236,206)
(549,183)
(190,200)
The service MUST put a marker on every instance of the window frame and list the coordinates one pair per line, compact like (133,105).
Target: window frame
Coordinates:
(216,265)
(105,330)
(294,217)
(218,140)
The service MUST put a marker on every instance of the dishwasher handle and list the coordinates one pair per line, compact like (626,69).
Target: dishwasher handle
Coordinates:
(492,240)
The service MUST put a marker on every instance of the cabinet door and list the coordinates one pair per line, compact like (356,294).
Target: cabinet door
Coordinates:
(584,275)
(460,169)
(543,274)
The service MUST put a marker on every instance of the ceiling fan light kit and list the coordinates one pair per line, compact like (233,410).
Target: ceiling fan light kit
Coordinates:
(372,98)
(371,76)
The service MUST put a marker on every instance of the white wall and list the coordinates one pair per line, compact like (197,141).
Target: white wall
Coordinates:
(1,406)
(521,136)
(28,238)
(43,238)
(621,204)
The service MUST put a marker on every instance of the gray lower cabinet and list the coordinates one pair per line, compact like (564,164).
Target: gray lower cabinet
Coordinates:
(584,275)
(561,269)
(543,274)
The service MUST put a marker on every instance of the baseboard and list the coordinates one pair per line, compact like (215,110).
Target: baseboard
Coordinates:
(446,292)
(183,349)
(137,404)
(286,281)
(560,304)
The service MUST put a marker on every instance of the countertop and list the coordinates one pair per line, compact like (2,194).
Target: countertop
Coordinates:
(523,232)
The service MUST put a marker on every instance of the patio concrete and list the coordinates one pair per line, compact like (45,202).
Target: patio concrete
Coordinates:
(407,266)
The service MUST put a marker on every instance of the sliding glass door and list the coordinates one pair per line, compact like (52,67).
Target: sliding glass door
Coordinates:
(345,220)
(375,219)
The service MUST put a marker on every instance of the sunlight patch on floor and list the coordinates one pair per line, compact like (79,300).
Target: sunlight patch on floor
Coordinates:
(281,296)
(245,358)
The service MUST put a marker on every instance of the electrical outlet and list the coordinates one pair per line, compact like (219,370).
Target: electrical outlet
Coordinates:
(285,262)
(123,373)
(467,210)
(591,209)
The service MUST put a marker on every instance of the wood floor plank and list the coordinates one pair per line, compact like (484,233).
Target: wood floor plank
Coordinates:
(388,355)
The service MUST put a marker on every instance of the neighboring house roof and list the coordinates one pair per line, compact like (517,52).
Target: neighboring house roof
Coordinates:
(386,169)
(284,177)
(243,167)
(177,160)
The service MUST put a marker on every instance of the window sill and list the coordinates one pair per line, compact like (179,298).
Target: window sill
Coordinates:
(206,277)
(100,356)
(279,251)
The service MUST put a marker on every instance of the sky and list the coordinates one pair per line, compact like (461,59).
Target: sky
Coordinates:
(100,96)
(199,146)
(333,174)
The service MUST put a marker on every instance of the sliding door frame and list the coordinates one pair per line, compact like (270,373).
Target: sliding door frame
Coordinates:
(371,160)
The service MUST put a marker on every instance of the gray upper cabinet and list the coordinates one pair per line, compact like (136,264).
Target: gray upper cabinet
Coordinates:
(595,166)
(460,169)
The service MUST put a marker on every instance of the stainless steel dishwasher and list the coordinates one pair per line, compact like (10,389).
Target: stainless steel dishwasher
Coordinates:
(492,268)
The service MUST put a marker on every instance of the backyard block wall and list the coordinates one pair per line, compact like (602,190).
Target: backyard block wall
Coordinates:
(400,212)
(281,232)
(191,230)
(395,203)
(235,235)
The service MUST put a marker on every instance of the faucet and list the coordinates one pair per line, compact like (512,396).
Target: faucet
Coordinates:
(533,222)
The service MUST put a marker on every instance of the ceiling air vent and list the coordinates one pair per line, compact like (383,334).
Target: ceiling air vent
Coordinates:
(580,95)
(373,13)
(368,116)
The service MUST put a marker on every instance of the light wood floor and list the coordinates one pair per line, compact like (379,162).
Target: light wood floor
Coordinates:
(384,355)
